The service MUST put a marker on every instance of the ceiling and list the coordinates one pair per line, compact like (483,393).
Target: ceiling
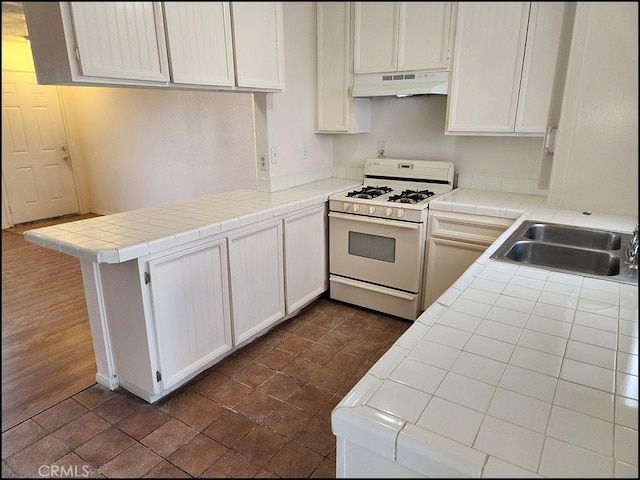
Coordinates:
(14,26)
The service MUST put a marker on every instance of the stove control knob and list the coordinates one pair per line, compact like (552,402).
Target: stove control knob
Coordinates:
(388,212)
(356,208)
(400,213)
(345,206)
(372,210)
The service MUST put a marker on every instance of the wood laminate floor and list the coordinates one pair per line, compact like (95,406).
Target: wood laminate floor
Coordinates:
(264,411)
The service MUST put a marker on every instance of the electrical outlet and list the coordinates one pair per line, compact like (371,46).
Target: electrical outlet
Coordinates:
(382,149)
(262,161)
(305,151)
(274,155)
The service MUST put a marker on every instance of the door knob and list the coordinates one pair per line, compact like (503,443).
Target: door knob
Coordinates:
(66,157)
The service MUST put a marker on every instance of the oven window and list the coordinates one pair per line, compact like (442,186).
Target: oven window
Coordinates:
(372,246)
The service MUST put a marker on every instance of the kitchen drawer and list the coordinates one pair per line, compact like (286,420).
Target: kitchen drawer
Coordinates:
(479,229)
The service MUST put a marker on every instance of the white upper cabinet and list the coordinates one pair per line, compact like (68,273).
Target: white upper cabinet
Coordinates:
(401,36)
(120,40)
(200,42)
(338,111)
(503,67)
(258,38)
(190,44)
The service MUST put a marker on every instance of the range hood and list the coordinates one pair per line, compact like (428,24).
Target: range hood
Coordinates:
(400,84)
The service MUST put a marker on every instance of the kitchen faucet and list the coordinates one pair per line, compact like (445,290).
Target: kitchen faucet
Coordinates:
(631,255)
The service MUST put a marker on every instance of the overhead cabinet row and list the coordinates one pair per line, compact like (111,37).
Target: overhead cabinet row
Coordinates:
(500,58)
(221,45)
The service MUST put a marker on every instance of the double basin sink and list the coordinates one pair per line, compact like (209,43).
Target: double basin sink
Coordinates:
(583,251)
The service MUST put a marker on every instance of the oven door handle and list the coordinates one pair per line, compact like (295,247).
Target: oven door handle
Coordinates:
(373,288)
(379,221)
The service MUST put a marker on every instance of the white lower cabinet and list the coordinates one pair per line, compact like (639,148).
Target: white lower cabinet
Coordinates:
(168,316)
(306,268)
(454,242)
(256,272)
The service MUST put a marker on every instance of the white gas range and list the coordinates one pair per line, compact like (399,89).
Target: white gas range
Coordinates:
(377,234)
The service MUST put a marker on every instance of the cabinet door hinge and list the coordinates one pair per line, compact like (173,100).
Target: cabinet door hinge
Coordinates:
(77,52)
(158,376)
(147,278)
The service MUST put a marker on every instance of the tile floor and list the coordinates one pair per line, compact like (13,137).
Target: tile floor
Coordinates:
(264,411)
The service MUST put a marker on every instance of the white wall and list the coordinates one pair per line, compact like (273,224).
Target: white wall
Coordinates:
(595,165)
(413,128)
(146,147)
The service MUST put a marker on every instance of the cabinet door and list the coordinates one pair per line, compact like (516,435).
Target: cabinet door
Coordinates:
(338,112)
(258,39)
(199,40)
(541,54)
(257,279)
(123,40)
(487,66)
(376,36)
(424,36)
(305,241)
(190,304)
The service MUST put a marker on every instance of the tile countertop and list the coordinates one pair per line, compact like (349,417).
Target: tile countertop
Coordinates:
(124,236)
(513,371)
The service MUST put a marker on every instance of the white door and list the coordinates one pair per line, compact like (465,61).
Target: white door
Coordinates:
(36,165)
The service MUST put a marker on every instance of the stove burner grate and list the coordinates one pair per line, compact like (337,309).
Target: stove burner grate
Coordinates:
(369,192)
(411,196)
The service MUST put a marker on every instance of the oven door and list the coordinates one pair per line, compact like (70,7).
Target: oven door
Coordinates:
(376,250)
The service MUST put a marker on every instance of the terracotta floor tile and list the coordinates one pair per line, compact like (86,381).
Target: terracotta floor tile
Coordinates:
(201,413)
(169,437)
(329,379)
(310,398)
(81,429)
(257,405)
(143,421)
(345,363)
(104,446)
(232,465)
(275,358)
(319,353)
(60,414)
(207,382)
(178,401)
(326,469)
(229,428)
(254,374)
(230,393)
(132,463)
(260,444)
(45,451)
(166,469)
(294,461)
(302,369)
(334,340)
(197,455)
(317,435)
(73,466)
(119,407)
(294,344)
(265,411)
(287,420)
(20,436)
(281,386)
(93,396)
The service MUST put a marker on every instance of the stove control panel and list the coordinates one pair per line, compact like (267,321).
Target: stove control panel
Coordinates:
(399,213)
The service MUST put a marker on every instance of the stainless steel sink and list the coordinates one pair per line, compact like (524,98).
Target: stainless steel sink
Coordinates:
(574,236)
(584,251)
(591,262)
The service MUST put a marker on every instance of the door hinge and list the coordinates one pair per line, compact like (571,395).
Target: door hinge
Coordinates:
(158,376)
(147,278)
(77,52)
